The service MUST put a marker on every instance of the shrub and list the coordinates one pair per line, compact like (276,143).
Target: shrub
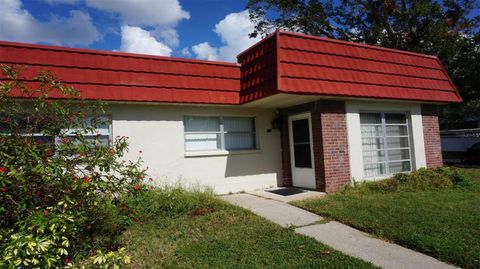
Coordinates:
(420,180)
(158,204)
(54,179)
(112,259)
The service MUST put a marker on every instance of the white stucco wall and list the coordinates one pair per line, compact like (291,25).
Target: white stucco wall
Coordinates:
(353,108)
(158,131)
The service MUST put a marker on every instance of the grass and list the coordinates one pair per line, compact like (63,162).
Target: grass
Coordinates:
(182,229)
(442,223)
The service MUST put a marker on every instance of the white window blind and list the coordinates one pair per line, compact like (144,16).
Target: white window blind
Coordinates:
(219,133)
(385,143)
(102,130)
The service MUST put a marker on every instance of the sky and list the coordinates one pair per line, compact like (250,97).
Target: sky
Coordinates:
(203,29)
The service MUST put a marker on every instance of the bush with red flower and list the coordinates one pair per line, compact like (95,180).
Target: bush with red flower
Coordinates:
(54,180)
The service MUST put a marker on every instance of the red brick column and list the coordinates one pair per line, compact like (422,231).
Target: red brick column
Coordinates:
(336,159)
(431,136)
(330,144)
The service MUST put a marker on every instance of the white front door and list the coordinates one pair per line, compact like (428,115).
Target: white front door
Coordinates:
(301,151)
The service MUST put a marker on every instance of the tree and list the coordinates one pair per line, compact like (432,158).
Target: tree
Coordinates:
(310,17)
(442,28)
(56,173)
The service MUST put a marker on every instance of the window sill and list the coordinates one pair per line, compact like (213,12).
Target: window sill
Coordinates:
(220,153)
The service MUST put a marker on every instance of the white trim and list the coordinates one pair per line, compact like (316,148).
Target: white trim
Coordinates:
(307,174)
(220,152)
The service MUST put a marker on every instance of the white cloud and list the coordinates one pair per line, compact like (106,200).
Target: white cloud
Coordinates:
(186,52)
(17,24)
(205,52)
(143,12)
(163,15)
(56,2)
(168,35)
(233,31)
(136,40)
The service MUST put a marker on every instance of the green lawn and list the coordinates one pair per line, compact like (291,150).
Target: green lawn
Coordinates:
(209,233)
(443,223)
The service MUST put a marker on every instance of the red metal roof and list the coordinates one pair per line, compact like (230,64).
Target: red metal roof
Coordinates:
(315,65)
(120,76)
(281,63)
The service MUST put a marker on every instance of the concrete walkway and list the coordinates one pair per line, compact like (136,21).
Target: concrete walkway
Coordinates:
(336,235)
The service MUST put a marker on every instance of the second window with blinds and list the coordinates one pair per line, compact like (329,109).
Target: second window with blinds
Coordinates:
(386,143)
(219,133)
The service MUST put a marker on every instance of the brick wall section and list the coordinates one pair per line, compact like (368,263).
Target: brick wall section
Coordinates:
(335,145)
(431,136)
(330,144)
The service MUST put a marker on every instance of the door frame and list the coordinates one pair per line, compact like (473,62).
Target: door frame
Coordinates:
(291,118)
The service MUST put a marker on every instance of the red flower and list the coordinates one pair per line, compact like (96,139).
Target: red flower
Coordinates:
(49,153)
(137,187)
(87,180)
(3,169)
(66,140)
(4,189)
(66,261)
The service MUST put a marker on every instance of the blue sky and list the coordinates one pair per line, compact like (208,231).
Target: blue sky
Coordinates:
(204,29)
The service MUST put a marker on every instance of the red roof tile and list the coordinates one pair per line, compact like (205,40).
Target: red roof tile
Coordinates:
(281,63)
(130,77)
(315,65)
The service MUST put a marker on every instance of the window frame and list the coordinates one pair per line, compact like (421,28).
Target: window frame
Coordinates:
(384,137)
(107,118)
(56,141)
(221,133)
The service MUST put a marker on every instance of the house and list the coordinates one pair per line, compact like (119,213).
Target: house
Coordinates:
(296,110)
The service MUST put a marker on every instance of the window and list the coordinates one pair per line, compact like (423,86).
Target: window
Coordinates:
(102,131)
(24,125)
(385,143)
(301,143)
(219,133)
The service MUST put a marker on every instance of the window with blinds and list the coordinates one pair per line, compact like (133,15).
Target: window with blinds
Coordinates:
(385,143)
(219,133)
(93,129)
(100,134)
